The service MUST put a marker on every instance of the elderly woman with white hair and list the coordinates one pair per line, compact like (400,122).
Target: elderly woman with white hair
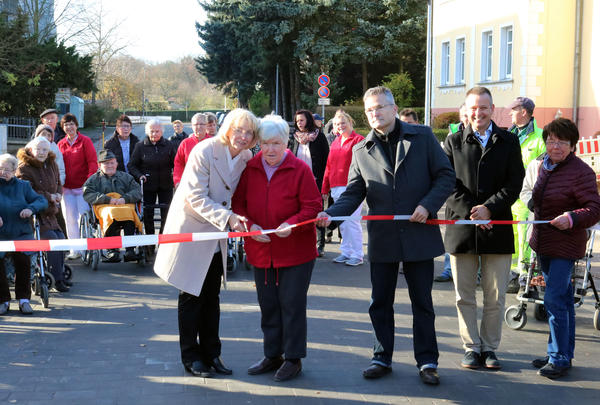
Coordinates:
(202,204)
(152,164)
(37,164)
(47,132)
(19,202)
(277,190)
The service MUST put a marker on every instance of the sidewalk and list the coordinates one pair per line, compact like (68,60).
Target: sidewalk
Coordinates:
(114,340)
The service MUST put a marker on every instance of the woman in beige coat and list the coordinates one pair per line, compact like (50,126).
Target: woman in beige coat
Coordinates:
(202,204)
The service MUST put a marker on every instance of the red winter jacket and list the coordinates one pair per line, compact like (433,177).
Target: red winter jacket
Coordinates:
(80,160)
(291,196)
(183,153)
(338,162)
(570,187)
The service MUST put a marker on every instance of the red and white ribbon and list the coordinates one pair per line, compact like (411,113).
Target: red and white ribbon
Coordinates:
(117,242)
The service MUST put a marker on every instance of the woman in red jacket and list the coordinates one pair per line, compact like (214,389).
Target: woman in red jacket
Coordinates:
(336,179)
(277,190)
(80,160)
(565,193)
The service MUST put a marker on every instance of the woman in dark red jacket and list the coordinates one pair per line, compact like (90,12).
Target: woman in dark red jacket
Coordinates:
(277,190)
(565,193)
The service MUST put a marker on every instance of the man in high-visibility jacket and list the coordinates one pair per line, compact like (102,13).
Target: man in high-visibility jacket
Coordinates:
(532,146)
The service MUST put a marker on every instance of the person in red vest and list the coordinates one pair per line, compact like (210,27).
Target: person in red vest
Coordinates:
(199,122)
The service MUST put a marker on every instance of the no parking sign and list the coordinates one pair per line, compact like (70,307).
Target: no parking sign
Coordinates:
(323,92)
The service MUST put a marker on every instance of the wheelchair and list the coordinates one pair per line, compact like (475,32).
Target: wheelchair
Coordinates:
(236,255)
(141,251)
(88,229)
(515,316)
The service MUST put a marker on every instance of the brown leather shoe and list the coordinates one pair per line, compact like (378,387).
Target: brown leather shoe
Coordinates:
(288,370)
(265,365)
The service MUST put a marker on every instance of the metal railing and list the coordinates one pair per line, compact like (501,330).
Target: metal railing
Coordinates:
(19,128)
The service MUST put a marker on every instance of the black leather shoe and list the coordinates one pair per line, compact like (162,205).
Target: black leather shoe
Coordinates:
(68,283)
(219,367)
(130,256)
(539,363)
(429,376)
(265,365)
(471,360)
(199,369)
(376,371)
(113,256)
(61,286)
(288,370)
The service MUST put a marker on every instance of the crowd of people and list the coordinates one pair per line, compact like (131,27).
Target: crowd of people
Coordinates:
(214,180)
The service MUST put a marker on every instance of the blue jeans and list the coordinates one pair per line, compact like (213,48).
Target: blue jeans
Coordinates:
(558,300)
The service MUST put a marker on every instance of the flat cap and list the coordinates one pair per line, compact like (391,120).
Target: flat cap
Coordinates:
(105,155)
(48,111)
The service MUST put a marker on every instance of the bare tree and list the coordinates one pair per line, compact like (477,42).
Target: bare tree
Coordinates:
(44,16)
(98,37)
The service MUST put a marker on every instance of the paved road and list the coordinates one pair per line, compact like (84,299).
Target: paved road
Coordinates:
(113,340)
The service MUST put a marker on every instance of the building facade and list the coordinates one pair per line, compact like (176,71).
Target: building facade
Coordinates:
(40,14)
(541,49)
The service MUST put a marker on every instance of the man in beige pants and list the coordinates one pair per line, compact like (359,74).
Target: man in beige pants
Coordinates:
(489,175)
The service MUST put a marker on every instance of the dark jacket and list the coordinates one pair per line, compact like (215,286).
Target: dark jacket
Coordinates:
(97,186)
(492,177)
(570,187)
(114,145)
(177,139)
(155,162)
(16,195)
(420,175)
(319,151)
(290,196)
(44,178)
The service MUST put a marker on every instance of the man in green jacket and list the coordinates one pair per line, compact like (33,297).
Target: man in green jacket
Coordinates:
(532,146)
(109,180)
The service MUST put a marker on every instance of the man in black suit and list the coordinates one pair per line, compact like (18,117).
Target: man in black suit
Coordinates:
(399,169)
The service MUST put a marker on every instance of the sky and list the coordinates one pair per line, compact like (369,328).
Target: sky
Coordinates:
(154,30)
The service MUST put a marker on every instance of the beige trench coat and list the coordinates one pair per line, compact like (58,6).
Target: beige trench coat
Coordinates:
(202,203)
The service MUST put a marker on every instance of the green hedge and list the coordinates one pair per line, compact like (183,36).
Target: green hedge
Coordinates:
(440,134)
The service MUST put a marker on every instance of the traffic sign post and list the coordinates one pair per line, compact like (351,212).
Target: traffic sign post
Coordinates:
(323,92)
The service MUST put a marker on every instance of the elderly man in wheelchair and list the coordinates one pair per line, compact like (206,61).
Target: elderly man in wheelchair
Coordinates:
(112,195)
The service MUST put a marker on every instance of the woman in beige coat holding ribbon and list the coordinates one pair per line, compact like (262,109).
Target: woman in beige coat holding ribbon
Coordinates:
(202,204)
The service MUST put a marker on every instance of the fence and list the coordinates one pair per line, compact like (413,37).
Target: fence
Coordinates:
(19,128)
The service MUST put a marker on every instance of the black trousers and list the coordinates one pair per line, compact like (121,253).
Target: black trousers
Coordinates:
(22,277)
(282,299)
(199,318)
(115,227)
(150,196)
(419,277)
(56,260)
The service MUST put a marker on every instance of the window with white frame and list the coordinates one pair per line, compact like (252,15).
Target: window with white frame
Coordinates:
(486,56)
(459,69)
(445,79)
(506,47)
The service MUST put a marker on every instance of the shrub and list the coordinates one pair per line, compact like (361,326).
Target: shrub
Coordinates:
(259,103)
(440,134)
(443,120)
(401,86)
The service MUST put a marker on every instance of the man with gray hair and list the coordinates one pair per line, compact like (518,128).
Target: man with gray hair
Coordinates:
(199,122)
(400,169)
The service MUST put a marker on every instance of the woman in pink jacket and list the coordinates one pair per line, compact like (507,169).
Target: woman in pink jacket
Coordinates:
(336,179)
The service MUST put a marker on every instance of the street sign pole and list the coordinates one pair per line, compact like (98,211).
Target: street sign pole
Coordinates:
(323,92)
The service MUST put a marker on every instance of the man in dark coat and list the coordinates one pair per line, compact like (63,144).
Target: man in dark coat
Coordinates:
(399,169)
(50,117)
(489,176)
(122,143)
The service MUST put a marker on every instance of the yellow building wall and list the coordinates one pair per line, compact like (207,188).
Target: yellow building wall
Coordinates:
(543,53)
(589,97)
